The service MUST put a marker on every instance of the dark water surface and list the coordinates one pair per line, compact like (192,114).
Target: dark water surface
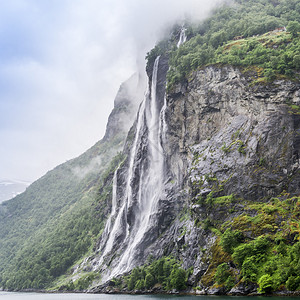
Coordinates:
(34,296)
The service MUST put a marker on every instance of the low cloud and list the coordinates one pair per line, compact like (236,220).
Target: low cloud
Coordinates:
(62,62)
(93,166)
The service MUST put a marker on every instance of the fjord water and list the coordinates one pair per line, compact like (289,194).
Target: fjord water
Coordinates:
(32,296)
(35,296)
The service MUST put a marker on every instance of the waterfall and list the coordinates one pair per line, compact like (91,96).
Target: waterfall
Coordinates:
(144,186)
(182,37)
(106,236)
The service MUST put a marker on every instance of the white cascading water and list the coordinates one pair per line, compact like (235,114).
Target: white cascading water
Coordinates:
(112,232)
(108,225)
(163,123)
(182,37)
(150,184)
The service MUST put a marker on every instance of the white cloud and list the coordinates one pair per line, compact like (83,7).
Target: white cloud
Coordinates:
(61,66)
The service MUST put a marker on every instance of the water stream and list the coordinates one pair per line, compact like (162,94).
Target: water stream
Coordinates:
(182,37)
(127,226)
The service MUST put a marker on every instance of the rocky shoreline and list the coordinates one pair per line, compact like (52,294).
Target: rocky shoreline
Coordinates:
(242,290)
(237,291)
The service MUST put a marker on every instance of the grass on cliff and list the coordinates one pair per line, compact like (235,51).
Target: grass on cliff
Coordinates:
(271,56)
(243,35)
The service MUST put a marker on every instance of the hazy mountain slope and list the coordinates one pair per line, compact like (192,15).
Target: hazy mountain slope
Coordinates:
(53,223)
(11,188)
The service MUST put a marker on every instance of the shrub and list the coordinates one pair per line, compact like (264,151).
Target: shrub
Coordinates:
(222,273)
(249,269)
(84,282)
(133,279)
(230,240)
(269,74)
(293,283)
(293,27)
(140,284)
(256,248)
(178,279)
(265,284)
(149,281)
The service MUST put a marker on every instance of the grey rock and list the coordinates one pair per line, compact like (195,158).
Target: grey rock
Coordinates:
(215,291)
(201,292)
(243,289)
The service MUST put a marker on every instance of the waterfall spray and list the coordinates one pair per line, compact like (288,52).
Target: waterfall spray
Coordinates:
(182,37)
(139,202)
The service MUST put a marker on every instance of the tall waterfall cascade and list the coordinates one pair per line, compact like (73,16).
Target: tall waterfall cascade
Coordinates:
(133,212)
(182,37)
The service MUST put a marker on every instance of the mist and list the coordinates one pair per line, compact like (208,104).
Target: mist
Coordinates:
(62,62)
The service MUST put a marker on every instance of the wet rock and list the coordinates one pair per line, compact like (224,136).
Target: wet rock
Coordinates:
(235,133)
(216,291)
(243,289)
(201,292)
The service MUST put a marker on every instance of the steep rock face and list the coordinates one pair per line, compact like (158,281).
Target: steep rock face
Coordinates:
(232,137)
(227,136)
(125,106)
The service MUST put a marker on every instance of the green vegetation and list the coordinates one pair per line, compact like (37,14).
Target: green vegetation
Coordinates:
(243,35)
(241,147)
(212,201)
(56,222)
(231,239)
(160,49)
(294,28)
(263,248)
(164,273)
(223,276)
(82,283)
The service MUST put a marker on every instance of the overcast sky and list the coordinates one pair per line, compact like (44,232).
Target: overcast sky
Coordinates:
(61,63)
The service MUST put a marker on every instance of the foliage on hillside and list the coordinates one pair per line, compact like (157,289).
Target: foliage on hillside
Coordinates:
(56,221)
(164,273)
(258,245)
(262,246)
(242,35)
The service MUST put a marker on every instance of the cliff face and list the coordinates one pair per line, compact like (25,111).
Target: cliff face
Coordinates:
(141,206)
(227,136)
(223,136)
(233,136)
(125,107)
